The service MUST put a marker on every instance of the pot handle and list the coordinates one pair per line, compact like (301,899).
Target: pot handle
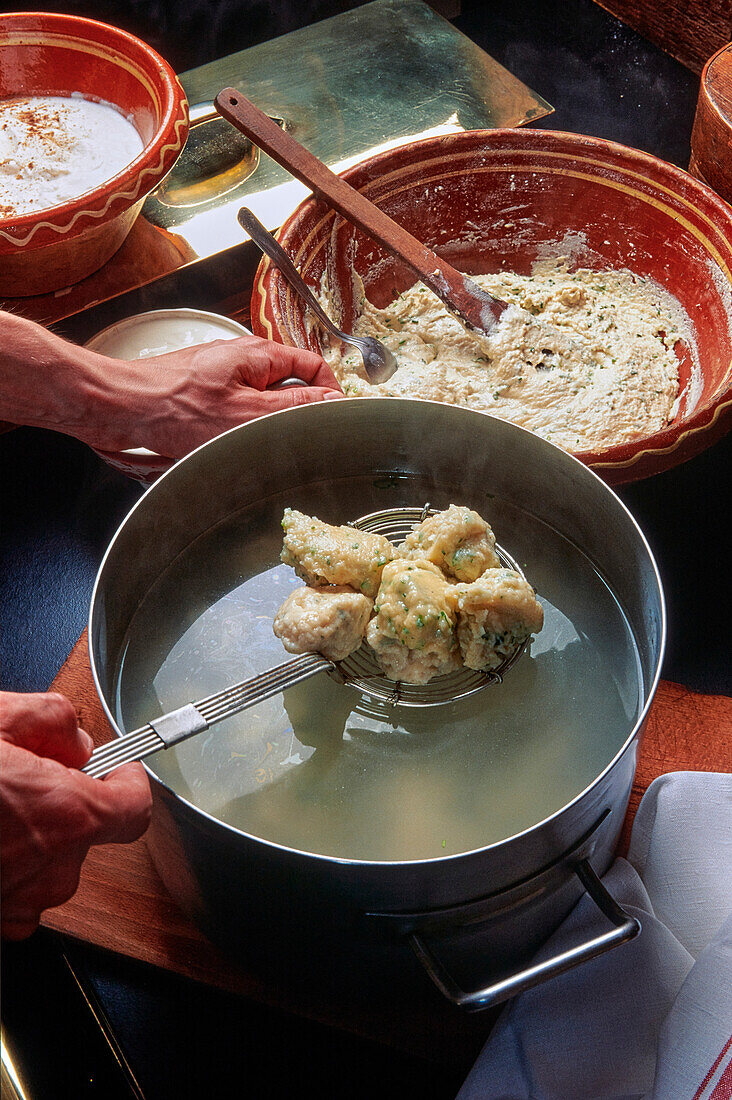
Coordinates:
(625,928)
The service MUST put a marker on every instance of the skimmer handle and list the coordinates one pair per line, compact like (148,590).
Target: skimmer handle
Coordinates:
(176,726)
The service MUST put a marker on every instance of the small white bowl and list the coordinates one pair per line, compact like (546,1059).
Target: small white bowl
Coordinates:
(154,333)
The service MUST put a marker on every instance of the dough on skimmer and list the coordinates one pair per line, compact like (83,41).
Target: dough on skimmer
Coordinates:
(495,614)
(458,541)
(321,554)
(421,624)
(413,630)
(331,621)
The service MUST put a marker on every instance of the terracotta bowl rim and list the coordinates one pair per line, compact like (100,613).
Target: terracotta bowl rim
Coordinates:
(620,457)
(142,173)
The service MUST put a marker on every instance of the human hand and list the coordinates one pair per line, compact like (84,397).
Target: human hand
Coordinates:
(174,402)
(168,403)
(51,813)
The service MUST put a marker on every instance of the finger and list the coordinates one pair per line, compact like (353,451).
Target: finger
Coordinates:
(123,804)
(54,887)
(46,724)
(291,396)
(325,378)
(256,403)
(288,362)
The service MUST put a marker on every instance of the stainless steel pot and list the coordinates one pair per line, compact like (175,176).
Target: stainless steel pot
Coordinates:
(475,919)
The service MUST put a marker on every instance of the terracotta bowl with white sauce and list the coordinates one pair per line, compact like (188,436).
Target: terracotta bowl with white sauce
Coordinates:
(91,120)
(502,202)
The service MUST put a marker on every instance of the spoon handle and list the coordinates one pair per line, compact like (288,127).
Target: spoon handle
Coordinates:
(478,309)
(267,243)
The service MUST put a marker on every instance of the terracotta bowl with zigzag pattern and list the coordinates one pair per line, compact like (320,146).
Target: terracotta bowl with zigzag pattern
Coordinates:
(490,200)
(51,54)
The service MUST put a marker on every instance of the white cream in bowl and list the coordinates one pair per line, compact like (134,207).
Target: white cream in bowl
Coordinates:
(163,330)
(55,148)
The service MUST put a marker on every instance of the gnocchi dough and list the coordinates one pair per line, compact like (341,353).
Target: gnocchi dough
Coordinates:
(442,598)
(321,554)
(495,614)
(413,632)
(585,359)
(457,540)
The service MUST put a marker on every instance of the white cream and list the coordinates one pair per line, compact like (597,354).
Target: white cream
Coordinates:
(163,330)
(56,148)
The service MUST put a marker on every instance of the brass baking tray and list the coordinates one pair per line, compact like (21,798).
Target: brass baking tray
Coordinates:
(383,74)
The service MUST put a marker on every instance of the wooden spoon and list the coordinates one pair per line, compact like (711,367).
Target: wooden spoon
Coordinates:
(475,307)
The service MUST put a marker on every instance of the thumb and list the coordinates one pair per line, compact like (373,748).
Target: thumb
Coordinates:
(122,803)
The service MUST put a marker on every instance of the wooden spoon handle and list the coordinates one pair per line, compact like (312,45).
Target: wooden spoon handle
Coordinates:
(478,309)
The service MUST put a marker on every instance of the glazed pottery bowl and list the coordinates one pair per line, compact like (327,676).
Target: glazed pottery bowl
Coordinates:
(48,54)
(492,200)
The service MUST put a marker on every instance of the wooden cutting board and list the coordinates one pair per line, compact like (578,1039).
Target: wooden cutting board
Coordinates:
(122,905)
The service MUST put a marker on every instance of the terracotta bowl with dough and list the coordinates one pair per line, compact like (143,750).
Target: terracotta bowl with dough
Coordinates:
(492,200)
(52,54)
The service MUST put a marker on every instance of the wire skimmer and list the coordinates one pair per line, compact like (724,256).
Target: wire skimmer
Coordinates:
(359,670)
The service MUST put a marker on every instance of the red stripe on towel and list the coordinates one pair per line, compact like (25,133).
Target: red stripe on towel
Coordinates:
(723,1091)
(711,1073)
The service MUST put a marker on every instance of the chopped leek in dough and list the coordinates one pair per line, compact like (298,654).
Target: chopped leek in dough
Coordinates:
(457,540)
(585,358)
(331,621)
(495,614)
(413,630)
(321,554)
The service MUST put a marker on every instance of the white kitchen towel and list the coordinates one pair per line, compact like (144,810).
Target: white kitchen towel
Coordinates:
(651,1019)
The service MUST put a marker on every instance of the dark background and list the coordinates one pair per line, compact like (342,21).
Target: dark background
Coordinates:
(61,504)
(191,32)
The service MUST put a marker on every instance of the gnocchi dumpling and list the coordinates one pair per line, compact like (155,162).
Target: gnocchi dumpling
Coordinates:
(458,541)
(321,554)
(413,631)
(495,614)
(331,621)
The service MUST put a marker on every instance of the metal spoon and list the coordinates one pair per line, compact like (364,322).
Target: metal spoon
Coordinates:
(379,362)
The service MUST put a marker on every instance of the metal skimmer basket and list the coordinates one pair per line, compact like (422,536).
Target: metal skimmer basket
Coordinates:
(359,671)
